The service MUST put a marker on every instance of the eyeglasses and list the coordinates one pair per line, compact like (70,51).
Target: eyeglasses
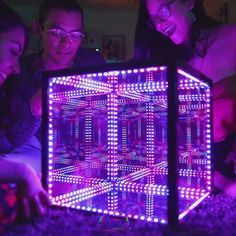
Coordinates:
(60,34)
(163,13)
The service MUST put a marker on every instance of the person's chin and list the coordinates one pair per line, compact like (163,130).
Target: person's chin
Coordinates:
(176,40)
(63,58)
(63,62)
(180,38)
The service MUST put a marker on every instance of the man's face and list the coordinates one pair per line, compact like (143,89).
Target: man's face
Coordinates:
(59,51)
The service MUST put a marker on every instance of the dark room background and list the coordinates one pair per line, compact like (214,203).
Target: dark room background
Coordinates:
(110,24)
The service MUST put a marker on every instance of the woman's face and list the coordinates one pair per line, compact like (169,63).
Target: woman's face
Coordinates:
(171,18)
(11,48)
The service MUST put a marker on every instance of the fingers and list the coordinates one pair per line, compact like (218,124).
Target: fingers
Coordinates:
(39,203)
(39,175)
(34,205)
(23,210)
(26,207)
(37,206)
(45,198)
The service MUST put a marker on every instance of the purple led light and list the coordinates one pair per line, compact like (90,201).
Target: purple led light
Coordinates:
(112,142)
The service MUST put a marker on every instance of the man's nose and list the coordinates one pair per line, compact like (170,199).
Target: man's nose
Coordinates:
(66,40)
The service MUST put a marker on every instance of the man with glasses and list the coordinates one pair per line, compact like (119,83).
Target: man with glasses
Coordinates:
(60,28)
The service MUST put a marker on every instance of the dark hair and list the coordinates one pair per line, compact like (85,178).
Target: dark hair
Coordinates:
(10,101)
(10,20)
(200,29)
(68,5)
(150,44)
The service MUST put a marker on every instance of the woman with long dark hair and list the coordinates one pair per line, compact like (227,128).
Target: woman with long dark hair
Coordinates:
(28,197)
(181,29)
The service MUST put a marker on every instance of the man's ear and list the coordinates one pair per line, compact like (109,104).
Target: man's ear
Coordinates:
(190,4)
(36,27)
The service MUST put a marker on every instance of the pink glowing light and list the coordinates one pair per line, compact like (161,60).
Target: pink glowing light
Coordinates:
(107,142)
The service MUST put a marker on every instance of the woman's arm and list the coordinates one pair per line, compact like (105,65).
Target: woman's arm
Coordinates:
(31,195)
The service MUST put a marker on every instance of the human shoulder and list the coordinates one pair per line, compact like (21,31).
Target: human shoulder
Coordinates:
(222,55)
(222,41)
(227,32)
(230,28)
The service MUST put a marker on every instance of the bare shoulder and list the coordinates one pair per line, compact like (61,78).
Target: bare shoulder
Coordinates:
(220,59)
(224,37)
(228,32)
(230,28)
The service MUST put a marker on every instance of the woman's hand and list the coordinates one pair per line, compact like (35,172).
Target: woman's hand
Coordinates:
(33,199)
(36,104)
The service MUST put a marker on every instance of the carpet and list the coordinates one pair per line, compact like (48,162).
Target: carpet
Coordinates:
(215,216)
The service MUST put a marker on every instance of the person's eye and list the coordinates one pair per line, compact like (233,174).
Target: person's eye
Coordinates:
(57,32)
(15,52)
(164,11)
(76,35)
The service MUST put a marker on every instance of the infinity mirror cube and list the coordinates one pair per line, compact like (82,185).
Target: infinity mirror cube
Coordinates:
(112,137)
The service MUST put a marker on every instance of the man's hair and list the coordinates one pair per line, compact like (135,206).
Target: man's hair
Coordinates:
(10,20)
(67,5)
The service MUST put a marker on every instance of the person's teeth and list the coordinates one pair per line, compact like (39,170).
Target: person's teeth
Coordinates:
(169,31)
